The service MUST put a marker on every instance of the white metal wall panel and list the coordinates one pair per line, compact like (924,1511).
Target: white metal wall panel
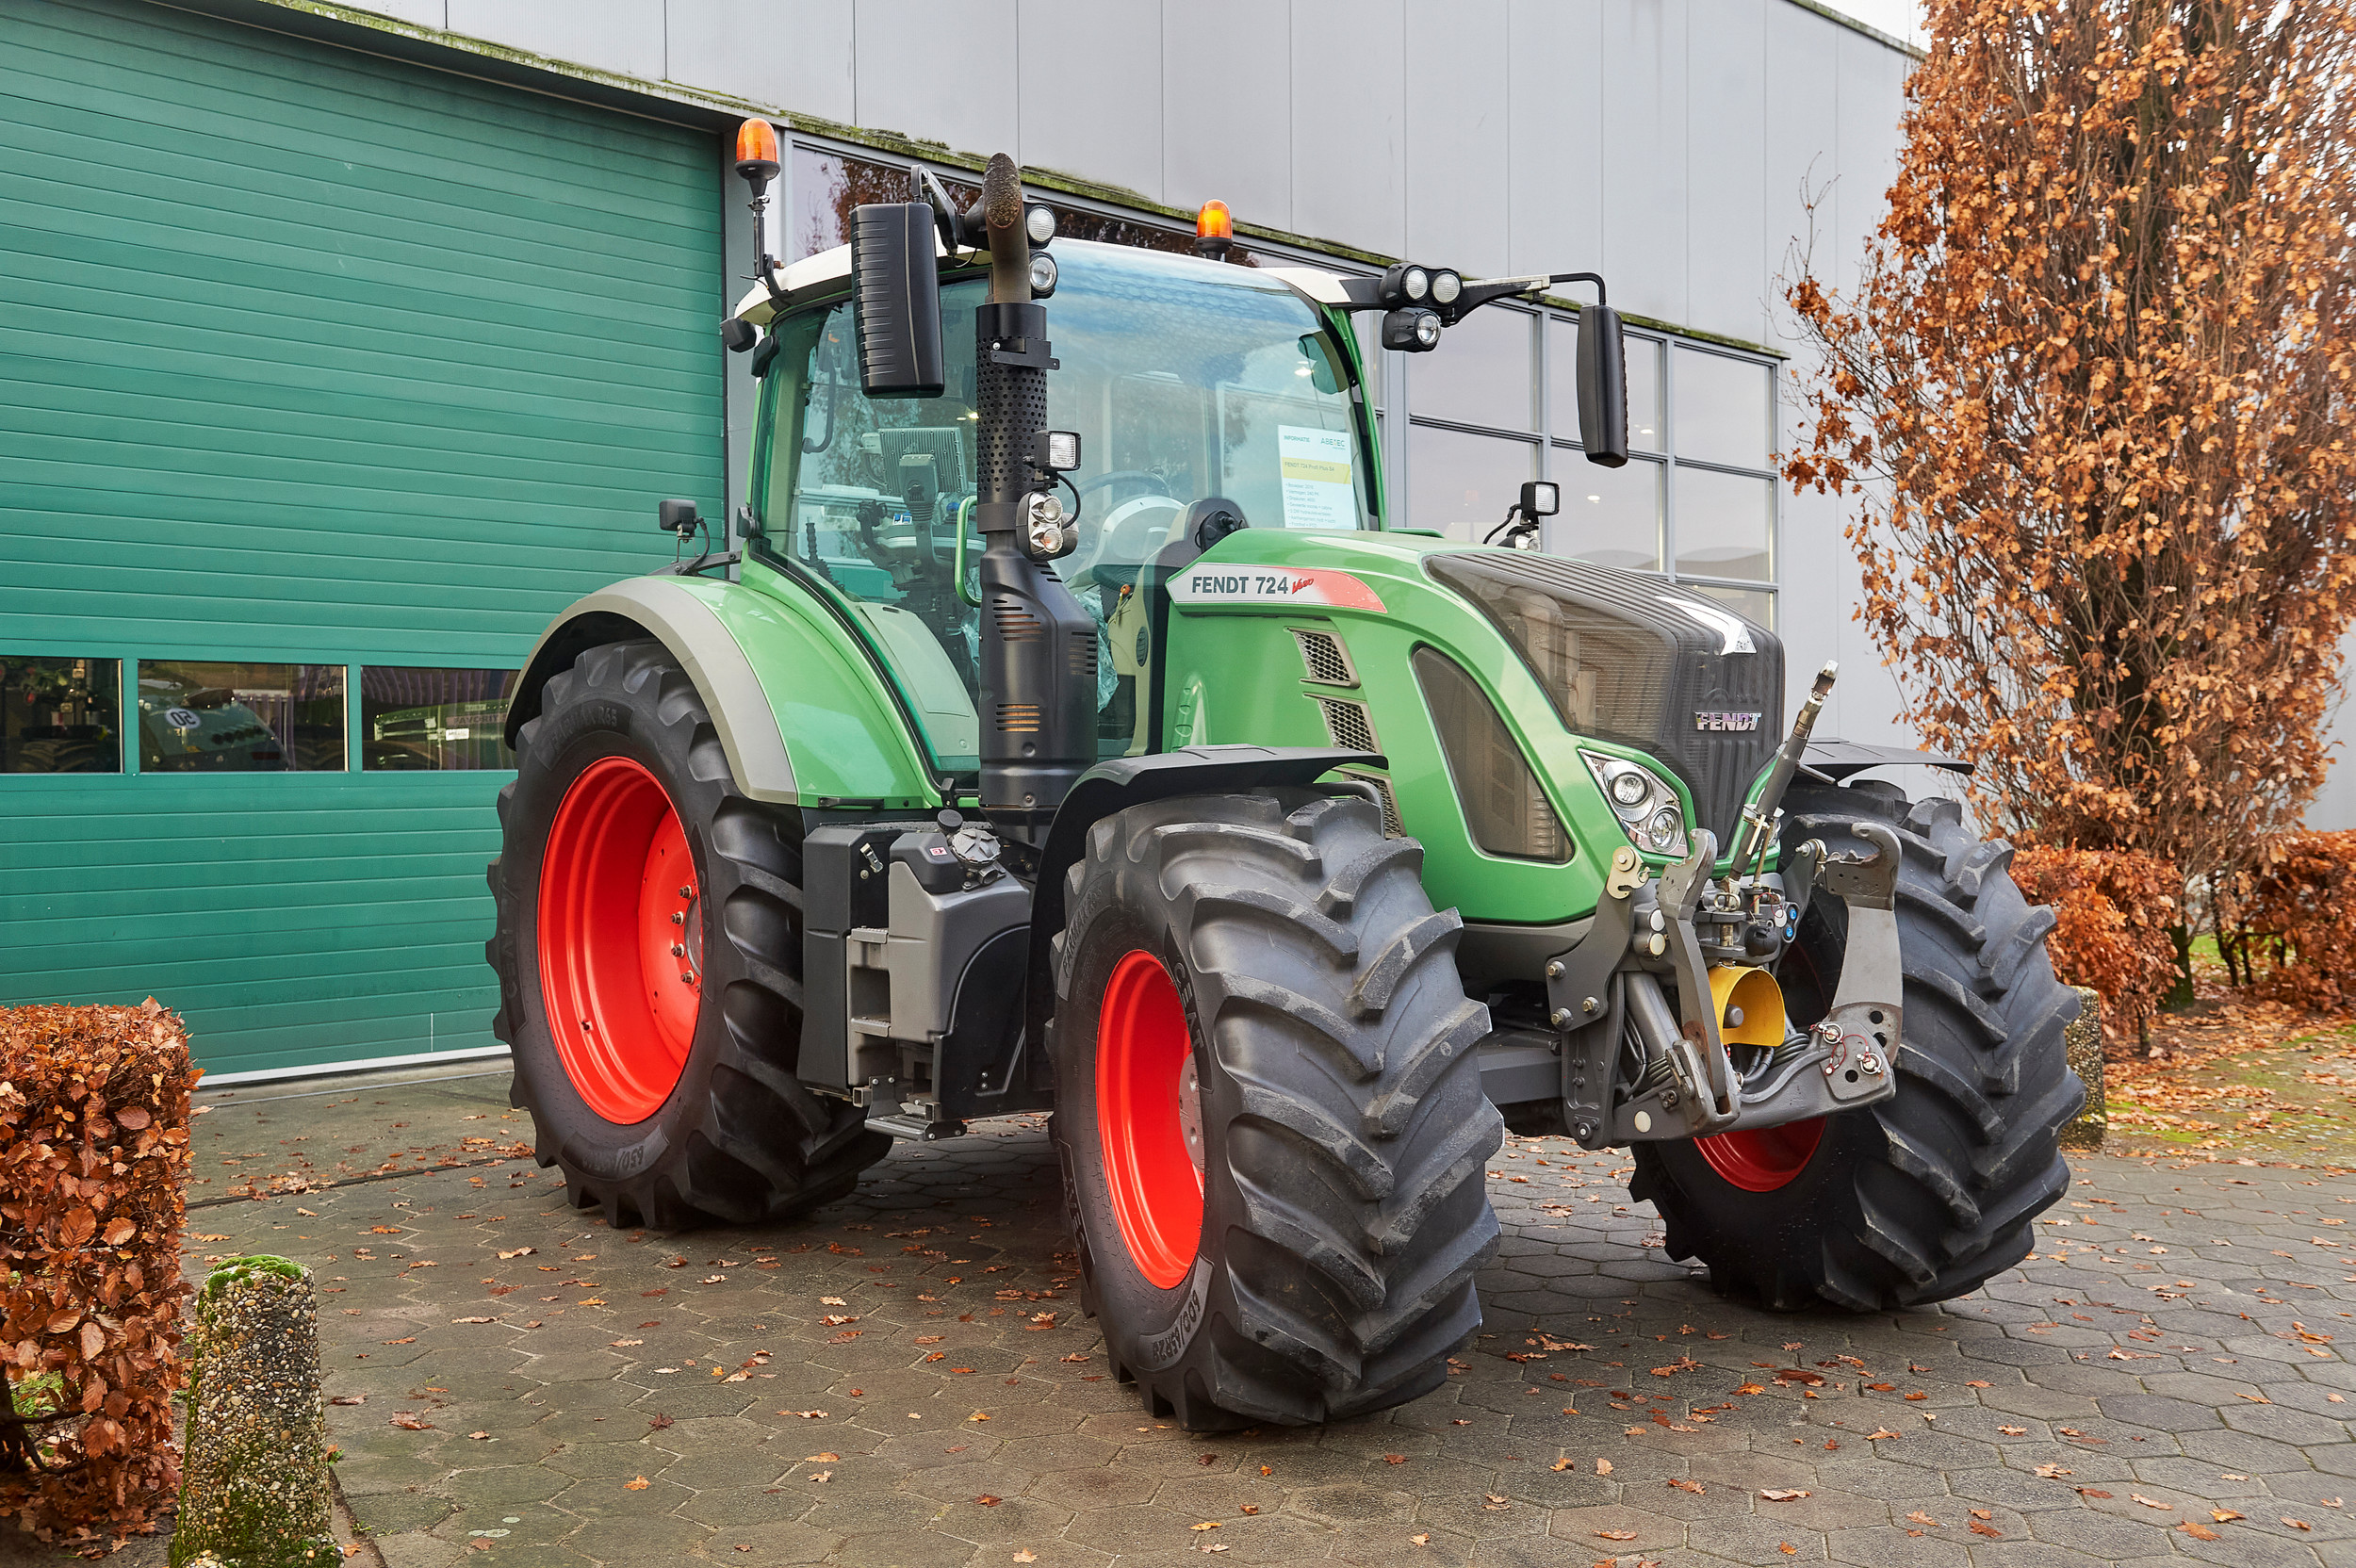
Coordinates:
(621,36)
(1725,194)
(1091,77)
(924,68)
(1645,156)
(1227,112)
(1459,153)
(791,52)
(1554,213)
(1349,122)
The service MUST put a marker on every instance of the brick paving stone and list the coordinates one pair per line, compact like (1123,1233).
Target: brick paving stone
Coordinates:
(2104,1363)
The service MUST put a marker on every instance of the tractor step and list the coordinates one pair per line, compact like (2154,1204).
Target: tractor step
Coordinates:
(915,1129)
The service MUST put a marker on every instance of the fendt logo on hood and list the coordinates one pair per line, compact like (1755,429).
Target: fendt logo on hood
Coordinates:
(1323,585)
(1719,721)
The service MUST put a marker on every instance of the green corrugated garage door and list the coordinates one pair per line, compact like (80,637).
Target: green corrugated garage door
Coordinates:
(325,380)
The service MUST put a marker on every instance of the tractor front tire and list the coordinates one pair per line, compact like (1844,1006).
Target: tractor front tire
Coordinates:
(650,958)
(1268,1109)
(1924,1196)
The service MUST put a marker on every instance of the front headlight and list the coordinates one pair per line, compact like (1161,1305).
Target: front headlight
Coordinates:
(1648,808)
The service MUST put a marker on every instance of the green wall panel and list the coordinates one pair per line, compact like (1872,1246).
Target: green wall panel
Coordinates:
(310,355)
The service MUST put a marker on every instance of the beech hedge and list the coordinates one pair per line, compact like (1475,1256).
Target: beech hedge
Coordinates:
(94,1118)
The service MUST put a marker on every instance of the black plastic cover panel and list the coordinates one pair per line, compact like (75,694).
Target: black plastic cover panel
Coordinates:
(1639,661)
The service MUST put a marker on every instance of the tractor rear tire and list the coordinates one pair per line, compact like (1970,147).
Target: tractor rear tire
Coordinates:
(1924,1196)
(1268,1109)
(637,885)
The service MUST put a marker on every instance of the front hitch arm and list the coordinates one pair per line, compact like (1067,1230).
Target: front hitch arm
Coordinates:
(1859,1032)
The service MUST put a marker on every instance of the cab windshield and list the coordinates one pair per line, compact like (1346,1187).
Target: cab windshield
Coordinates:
(1184,380)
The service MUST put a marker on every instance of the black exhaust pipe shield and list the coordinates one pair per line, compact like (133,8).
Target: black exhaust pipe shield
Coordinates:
(1038,644)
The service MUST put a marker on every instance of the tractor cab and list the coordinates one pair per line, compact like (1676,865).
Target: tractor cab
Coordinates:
(1187,381)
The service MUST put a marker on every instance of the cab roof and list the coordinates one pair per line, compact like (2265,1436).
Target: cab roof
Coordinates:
(815,277)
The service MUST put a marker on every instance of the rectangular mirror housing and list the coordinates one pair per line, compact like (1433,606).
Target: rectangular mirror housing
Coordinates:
(1602,386)
(896,300)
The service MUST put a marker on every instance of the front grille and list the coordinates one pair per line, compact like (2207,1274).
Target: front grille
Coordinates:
(1637,660)
(1349,723)
(1325,658)
(1018,718)
(1083,655)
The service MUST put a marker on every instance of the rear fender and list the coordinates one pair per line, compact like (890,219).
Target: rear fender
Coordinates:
(802,713)
(1119,783)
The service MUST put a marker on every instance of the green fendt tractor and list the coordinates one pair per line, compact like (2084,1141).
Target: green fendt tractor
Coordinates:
(1288,854)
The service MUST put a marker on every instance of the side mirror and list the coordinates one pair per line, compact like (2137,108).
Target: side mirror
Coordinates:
(1602,386)
(896,290)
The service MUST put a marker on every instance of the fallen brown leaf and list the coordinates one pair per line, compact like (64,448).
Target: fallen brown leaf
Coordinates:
(1781,1495)
(1615,1535)
(1683,1485)
(639,1485)
(2150,1502)
(1982,1527)
(2198,1530)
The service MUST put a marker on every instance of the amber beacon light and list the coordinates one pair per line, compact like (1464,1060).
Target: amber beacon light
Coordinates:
(756,153)
(1214,230)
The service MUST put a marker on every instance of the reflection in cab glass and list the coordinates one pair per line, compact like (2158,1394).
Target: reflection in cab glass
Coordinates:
(240,718)
(1184,379)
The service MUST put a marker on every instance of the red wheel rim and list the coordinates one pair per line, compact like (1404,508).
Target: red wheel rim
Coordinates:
(1765,1159)
(621,940)
(1147,1105)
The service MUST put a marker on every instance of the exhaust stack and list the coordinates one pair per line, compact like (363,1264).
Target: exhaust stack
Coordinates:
(1038,644)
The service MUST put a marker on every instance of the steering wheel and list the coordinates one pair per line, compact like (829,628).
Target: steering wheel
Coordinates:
(1131,532)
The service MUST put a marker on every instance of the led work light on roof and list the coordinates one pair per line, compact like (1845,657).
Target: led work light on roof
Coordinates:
(1214,230)
(1411,331)
(1039,223)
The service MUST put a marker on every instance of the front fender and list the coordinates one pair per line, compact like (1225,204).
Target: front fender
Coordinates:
(800,711)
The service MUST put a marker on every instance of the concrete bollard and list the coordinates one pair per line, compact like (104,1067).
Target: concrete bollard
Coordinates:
(254,1493)
(2081,1042)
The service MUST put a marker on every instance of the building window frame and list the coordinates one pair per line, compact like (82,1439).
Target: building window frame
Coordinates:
(1558,451)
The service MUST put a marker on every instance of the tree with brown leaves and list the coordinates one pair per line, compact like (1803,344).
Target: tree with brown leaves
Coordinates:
(2096,393)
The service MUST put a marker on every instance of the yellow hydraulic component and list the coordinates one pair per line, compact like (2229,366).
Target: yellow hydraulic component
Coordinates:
(1737,990)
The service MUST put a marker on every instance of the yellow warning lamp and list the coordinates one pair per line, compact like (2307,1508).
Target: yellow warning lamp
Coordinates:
(1214,230)
(757,155)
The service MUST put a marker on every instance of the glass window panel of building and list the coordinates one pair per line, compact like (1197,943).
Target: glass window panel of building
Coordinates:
(1697,500)
(208,717)
(1701,423)
(60,714)
(413,718)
